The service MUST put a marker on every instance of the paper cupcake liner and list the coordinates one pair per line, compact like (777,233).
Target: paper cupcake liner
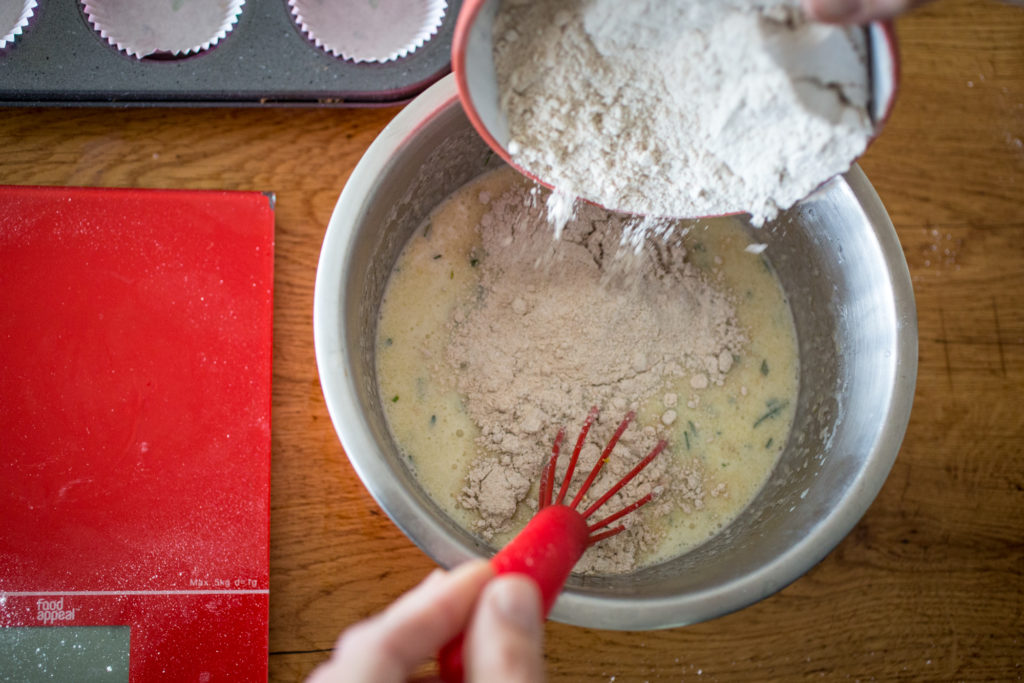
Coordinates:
(14,17)
(369,30)
(163,27)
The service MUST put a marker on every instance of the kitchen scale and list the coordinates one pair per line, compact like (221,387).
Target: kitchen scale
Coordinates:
(135,367)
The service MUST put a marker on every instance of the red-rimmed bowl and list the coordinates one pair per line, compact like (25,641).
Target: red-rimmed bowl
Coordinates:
(477,81)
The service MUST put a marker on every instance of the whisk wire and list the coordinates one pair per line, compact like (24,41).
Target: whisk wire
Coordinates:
(626,479)
(547,479)
(607,534)
(621,513)
(591,416)
(602,460)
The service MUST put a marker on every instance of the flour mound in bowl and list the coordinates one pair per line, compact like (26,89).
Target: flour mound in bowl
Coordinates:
(549,335)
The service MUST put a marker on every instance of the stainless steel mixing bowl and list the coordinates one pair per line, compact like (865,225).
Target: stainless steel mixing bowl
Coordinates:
(841,265)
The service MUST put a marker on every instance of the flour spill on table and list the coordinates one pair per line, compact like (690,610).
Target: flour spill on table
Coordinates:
(493,335)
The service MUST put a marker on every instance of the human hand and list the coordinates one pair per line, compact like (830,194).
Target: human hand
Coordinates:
(500,616)
(857,11)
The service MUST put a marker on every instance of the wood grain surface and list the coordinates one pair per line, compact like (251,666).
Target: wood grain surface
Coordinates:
(928,586)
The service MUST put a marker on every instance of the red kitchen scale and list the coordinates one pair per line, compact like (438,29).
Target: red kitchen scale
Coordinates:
(135,367)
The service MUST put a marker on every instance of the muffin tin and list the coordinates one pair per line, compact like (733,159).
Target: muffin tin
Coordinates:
(266,58)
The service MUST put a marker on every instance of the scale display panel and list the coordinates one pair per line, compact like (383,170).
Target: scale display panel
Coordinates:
(135,369)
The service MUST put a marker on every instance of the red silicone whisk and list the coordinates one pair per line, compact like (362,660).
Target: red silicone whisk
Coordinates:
(551,544)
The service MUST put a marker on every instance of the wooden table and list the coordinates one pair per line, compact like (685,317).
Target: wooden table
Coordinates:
(929,585)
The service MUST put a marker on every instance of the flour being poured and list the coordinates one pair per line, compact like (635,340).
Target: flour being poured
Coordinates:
(681,107)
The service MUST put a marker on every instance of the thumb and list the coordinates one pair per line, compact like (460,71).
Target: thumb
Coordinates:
(856,11)
(506,638)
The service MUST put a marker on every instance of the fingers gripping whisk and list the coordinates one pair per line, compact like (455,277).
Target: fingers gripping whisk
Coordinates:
(553,541)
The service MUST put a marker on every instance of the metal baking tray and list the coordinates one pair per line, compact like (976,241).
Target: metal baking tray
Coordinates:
(265,60)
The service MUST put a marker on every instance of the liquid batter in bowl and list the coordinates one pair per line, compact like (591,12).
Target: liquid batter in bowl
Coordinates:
(492,336)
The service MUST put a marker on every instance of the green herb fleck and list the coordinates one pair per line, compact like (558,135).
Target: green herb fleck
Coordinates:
(426,230)
(433,420)
(693,427)
(686,435)
(490,155)
(451,275)
(389,341)
(437,256)
(699,247)
(764,368)
(768,443)
(774,408)
(473,262)
(395,399)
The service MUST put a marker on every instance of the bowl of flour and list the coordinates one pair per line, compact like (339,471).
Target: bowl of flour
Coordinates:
(396,276)
(683,108)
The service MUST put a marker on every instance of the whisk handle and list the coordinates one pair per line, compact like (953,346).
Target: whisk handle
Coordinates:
(546,550)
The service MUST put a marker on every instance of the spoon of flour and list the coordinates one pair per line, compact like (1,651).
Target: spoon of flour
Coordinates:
(685,109)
